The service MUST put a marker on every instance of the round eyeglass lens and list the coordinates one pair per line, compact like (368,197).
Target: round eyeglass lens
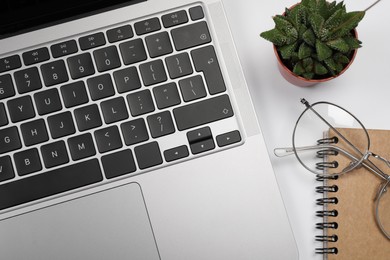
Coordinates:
(383,211)
(320,132)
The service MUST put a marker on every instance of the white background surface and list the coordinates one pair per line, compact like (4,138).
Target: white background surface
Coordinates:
(363,89)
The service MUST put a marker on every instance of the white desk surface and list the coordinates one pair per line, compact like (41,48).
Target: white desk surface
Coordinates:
(362,90)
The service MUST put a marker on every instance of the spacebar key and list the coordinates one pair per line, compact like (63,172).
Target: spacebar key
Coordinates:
(203,112)
(49,183)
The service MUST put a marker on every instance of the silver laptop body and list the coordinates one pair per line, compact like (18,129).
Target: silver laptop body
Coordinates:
(198,188)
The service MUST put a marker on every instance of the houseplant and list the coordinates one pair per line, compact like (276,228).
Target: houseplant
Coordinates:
(314,40)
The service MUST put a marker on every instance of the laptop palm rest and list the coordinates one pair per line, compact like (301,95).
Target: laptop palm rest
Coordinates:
(113,224)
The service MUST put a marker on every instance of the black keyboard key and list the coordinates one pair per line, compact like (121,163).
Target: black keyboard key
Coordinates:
(27,162)
(176,153)
(147,26)
(81,146)
(166,95)
(9,140)
(36,56)
(153,72)
(133,51)
(61,125)
(81,66)
(179,65)
(158,44)
(161,124)
(100,87)
(107,58)
(47,101)
(202,146)
(199,135)
(108,139)
(49,183)
(21,109)
(87,117)
(114,110)
(54,154)
(203,112)
(6,86)
(64,48)
(27,80)
(127,79)
(54,73)
(74,94)
(134,131)
(140,102)
(10,63)
(148,155)
(120,33)
(200,140)
(3,115)
(205,60)
(228,138)
(175,18)
(192,88)
(191,35)
(6,169)
(92,41)
(196,13)
(34,132)
(118,164)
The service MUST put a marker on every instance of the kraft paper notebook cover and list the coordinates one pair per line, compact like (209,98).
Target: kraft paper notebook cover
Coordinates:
(358,236)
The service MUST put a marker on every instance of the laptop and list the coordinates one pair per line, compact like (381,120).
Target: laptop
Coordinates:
(127,132)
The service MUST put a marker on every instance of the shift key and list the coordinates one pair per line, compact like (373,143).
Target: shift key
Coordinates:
(203,112)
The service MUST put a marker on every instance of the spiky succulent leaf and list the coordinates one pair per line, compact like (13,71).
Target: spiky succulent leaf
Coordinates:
(349,22)
(284,25)
(341,58)
(352,42)
(308,75)
(275,36)
(317,23)
(320,69)
(287,50)
(299,69)
(339,45)
(304,51)
(323,51)
(331,63)
(334,20)
(309,37)
(308,64)
(322,8)
(311,4)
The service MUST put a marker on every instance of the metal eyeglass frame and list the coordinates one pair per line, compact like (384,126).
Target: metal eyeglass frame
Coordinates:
(356,162)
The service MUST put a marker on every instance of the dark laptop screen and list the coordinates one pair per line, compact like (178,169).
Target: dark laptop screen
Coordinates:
(18,16)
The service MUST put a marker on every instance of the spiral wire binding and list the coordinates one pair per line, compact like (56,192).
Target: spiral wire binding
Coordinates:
(327,198)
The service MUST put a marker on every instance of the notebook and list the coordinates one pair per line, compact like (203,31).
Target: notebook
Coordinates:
(358,236)
(127,132)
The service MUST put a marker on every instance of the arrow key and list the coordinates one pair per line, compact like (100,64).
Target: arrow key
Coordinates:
(202,146)
(176,153)
(228,138)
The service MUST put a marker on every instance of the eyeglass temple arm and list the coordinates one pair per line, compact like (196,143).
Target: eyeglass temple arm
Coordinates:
(287,151)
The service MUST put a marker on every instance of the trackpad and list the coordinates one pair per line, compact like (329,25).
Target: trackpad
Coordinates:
(113,224)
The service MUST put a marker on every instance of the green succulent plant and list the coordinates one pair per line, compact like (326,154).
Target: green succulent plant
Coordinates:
(315,38)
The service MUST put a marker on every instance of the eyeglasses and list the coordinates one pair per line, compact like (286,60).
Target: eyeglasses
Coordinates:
(324,118)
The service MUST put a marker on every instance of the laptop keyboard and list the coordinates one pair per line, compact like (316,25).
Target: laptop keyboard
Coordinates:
(112,103)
